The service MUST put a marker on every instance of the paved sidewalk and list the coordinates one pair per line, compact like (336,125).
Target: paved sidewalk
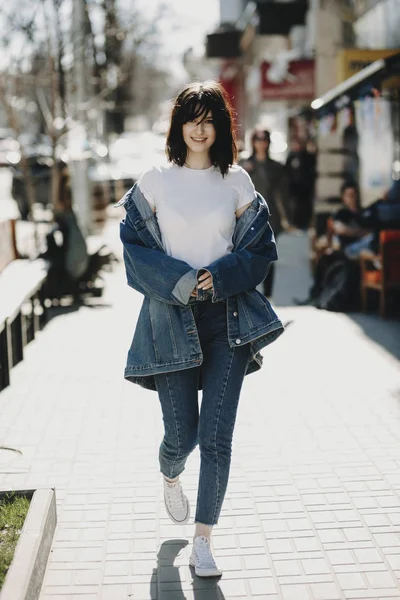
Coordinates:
(313,505)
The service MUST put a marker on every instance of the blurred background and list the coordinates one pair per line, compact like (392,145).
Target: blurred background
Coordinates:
(86,88)
(88,84)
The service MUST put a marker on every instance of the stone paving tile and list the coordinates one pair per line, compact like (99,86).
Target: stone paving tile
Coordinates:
(313,504)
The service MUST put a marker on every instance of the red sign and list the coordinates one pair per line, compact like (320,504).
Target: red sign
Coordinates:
(231,79)
(298,83)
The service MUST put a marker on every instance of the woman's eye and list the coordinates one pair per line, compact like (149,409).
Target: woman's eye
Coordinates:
(206,122)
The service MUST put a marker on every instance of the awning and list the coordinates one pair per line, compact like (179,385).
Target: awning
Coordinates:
(357,86)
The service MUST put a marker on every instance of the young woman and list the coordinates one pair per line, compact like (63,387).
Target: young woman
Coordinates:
(270,179)
(196,243)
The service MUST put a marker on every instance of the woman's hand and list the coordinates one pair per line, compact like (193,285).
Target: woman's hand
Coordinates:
(205,281)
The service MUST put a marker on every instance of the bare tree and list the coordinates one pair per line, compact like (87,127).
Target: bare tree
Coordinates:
(13,121)
(130,47)
(121,50)
(34,71)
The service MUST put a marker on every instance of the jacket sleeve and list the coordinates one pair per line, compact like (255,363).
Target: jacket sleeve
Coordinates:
(153,273)
(244,269)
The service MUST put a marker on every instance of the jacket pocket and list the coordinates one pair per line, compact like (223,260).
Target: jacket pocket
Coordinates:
(265,303)
(162,329)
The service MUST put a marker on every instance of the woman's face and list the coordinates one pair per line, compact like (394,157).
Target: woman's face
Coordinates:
(261,142)
(349,198)
(199,135)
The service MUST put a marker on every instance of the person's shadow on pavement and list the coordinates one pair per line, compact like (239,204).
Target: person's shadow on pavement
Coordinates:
(166,577)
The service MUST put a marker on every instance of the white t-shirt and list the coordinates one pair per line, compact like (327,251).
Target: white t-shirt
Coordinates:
(196,209)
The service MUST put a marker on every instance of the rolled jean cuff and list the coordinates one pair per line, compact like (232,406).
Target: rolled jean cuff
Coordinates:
(185,286)
(171,468)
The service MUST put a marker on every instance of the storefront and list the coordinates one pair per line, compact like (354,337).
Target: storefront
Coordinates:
(365,110)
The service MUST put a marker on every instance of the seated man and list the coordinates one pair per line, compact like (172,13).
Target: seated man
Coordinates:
(348,223)
(333,269)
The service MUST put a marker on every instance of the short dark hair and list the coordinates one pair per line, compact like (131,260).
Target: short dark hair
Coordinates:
(195,101)
(349,184)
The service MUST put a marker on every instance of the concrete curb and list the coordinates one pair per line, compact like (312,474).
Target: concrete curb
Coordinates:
(26,573)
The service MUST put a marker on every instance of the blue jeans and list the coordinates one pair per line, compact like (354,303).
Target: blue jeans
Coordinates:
(222,374)
(353,250)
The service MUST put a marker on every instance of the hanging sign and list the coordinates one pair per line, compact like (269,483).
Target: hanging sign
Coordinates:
(293,81)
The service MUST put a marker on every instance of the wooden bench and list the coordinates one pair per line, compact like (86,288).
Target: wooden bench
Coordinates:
(22,308)
(381,272)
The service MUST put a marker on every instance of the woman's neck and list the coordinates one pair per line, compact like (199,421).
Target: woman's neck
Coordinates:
(261,156)
(197,160)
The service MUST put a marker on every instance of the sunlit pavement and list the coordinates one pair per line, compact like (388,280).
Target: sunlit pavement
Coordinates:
(313,505)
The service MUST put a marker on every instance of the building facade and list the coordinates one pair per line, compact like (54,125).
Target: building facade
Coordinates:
(358,132)
(265,63)
(277,58)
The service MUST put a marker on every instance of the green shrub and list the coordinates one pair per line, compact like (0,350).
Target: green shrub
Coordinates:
(13,511)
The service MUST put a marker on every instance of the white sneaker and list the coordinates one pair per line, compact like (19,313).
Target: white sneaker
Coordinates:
(202,559)
(176,503)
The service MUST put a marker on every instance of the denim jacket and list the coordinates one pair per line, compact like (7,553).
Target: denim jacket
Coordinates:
(166,337)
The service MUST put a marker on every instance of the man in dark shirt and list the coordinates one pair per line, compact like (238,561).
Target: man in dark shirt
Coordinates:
(348,227)
(348,221)
(301,171)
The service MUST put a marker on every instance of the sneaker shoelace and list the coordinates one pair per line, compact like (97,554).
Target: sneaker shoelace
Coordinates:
(175,496)
(204,553)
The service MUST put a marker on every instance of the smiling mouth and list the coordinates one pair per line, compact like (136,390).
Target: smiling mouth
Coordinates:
(199,139)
